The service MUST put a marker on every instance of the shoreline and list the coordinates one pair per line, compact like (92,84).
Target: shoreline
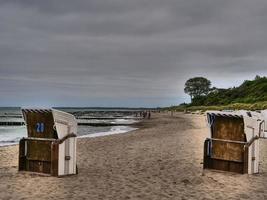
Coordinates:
(160,160)
(131,127)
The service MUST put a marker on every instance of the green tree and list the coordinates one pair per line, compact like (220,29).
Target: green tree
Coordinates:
(257,77)
(196,87)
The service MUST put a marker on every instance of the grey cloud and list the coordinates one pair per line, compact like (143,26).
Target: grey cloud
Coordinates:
(128,52)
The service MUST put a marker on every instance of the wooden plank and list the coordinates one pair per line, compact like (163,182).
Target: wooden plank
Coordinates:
(29,122)
(229,128)
(219,164)
(227,151)
(205,155)
(46,167)
(40,139)
(245,155)
(49,125)
(236,167)
(39,166)
(54,159)
(11,123)
(225,165)
(39,150)
(22,157)
(66,137)
(229,141)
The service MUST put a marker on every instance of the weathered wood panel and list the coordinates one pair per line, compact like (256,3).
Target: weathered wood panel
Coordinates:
(39,150)
(245,160)
(229,128)
(205,155)
(41,156)
(224,165)
(35,118)
(22,157)
(54,159)
(227,151)
(39,166)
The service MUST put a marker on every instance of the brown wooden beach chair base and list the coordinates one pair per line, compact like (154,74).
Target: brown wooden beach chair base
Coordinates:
(40,155)
(227,164)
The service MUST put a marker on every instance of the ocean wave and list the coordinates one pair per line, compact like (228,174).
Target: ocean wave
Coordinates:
(9,142)
(114,130)
(12,139)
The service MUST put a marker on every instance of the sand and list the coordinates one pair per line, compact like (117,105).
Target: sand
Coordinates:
(161,160)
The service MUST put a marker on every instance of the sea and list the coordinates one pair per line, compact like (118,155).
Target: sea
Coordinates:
(94,122)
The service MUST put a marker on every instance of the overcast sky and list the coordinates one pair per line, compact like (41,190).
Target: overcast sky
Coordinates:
(126,52)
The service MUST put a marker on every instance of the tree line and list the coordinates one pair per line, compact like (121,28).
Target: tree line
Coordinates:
(202,94)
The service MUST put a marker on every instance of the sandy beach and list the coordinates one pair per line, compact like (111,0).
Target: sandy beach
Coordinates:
(161,160)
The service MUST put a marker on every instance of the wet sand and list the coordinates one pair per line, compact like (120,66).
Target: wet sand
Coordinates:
(161,160)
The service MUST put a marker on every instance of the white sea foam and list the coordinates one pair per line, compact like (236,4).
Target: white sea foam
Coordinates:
(114,130)
(11,135)
(124,121)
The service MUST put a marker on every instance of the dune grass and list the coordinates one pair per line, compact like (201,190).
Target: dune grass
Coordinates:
(234,106)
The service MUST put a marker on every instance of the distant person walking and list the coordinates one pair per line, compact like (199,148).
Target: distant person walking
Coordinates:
(144,114)
(149,115)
